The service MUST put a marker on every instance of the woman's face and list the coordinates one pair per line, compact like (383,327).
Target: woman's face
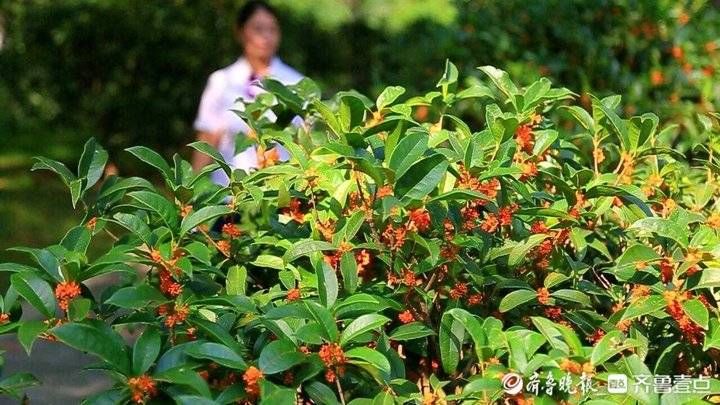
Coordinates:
(260,36)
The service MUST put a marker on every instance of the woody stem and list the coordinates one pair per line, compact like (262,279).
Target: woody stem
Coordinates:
(340,390)
(213,242)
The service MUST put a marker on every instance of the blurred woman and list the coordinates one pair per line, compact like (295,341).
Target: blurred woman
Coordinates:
(257,30)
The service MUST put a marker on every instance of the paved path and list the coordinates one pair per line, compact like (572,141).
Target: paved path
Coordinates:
(58,367)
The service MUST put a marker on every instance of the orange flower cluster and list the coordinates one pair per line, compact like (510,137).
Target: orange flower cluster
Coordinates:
(554,313)
(293,294)
(476,299)
(65,292)
(667,269)
(656,77)
(175,316)
(185,210)
(168,285)
(690,330)
(333,357)
(543,295)
(384,191)
(408,278)
(419,220)
(231,230)
(4,318)
(252,377)
(524,138)
(468,182)
(529,171)
(653,181)
(713,220)
(596,336)
(333,259)
(91,224)
(628,168)
(326,229)
(363,260)
(224,246)
(293,210)
(639,291)
(459,290)
(393,237)
(539,227)
(142,388)
(575,367)
(406,316)
(503,218)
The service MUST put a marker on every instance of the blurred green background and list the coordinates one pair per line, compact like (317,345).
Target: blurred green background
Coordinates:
(131,72)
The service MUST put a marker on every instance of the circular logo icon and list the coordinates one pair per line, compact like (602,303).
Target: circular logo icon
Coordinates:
(512,383)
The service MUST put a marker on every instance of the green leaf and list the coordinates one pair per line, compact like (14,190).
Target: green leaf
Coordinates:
(520,251)
(327,282)
(18,382)
(582,117)
(217,353)
(643,306)
(324,318)
(451,336)
(362,324)
(421,178)
(158,204)
(572,295)
(187,377)
(134,224)
(410,331)
(348,269)
(306,247)
(502,81)
(388,96)
(42,163)
(36,291)
(78,309)
(203,215)
(320,393)
(516,298)
(76,191)
(279,356)
(152,158)
(410,148)
(612,343)
(662,227)
(206,149)
(122,185)
(136,297)
(236,280)
(697,311)
(712,337)
(92,163)
(46,259)
(269,261)
(28,332)
(146,350)
(617,124)
(370,356)
(96,337)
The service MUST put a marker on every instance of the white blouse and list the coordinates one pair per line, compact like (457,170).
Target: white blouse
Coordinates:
(223,89)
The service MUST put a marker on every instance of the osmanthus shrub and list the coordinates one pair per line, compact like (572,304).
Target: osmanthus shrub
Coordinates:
(400,256)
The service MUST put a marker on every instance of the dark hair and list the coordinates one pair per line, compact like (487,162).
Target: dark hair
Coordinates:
(249,8)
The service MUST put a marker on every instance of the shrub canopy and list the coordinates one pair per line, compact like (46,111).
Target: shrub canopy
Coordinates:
(399,256)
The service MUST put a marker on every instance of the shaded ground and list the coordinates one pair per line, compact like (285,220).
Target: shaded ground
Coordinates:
(58,367)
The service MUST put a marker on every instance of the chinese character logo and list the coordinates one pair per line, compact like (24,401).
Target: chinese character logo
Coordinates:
(512,383)
(617,384)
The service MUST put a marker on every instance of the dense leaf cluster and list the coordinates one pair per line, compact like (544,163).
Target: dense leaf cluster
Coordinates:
(396,257)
